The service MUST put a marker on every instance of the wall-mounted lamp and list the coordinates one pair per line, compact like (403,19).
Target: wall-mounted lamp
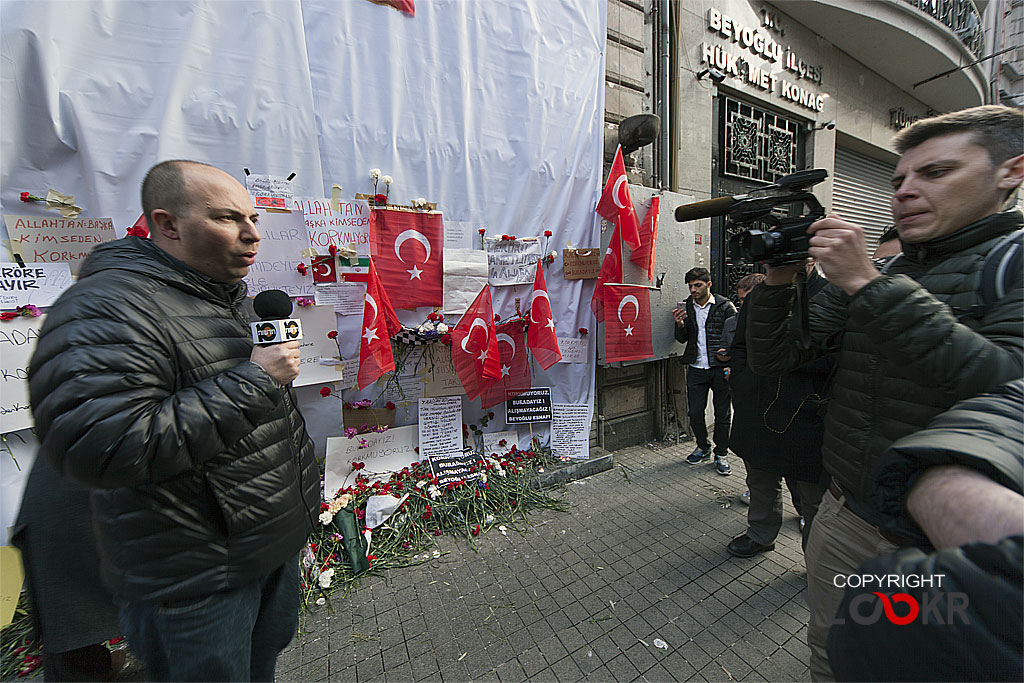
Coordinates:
(661,278)
(714,74)
(831,125)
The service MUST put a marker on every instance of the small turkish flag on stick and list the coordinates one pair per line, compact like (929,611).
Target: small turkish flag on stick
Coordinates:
(475,346)
(541,337)
(616,206)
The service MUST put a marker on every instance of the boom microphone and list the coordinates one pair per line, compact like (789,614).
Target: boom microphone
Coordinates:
(273,307)
(719,206)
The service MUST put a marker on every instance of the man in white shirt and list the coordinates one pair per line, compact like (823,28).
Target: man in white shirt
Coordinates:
(699,324)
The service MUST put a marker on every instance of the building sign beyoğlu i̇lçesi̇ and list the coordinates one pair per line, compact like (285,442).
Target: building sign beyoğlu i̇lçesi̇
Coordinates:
(761,45)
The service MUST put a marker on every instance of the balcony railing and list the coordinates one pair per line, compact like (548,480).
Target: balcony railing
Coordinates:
(961,16)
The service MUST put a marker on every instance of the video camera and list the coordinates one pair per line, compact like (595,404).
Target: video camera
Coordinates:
(785,240)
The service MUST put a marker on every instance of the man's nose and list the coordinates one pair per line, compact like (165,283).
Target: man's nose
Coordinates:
(250,232)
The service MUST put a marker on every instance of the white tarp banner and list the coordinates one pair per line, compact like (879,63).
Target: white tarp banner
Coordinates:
(493,110)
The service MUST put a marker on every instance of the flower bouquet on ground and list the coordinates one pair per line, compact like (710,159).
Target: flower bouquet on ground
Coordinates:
(498,492)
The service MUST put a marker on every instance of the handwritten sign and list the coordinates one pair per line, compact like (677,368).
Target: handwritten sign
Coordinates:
(316,346)
(350,224)
(38,284)
(17,342)
(45,239)
(440,426)
(512,262)
(347,298)
(270,191)
(279,254)
(581,264)
(574,350)
(386,452)
(570,430)
(530,406)
(441,379)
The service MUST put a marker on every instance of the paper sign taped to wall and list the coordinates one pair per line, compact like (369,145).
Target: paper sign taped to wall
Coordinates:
(17,343)
(48,239)
(38,284)
(570,430)
(347,225)
(316,346)
(512,262)
(465,274)
(284,239)
(581,264)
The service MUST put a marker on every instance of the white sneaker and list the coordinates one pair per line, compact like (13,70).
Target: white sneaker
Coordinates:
(745,497)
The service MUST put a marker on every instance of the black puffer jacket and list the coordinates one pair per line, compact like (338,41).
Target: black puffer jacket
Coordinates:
(721,310)
(985,433)
(905,356)
(142,388)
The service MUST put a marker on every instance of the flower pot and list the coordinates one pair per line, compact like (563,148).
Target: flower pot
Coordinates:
(371,417)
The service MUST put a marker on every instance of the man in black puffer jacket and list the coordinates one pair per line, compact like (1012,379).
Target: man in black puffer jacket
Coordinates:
(915,339)
(146,387)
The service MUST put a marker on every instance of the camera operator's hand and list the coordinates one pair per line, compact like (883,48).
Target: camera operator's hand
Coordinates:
(842,253)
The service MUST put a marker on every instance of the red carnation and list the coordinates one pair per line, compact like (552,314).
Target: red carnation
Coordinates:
(476,530)
(325,392)
(25,197)
(583,331)
(389,405)
(333,334)
(446,339)
(301,268)
(333,249)
(380,199)
(547,233)
(481,230)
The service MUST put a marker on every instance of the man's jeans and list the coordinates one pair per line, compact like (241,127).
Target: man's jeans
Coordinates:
(698,383)
(231,636)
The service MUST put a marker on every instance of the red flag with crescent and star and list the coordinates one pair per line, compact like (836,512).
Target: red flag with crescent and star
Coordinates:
(541,337)
(380,323)
(513,364)
(644,256)
(475,346)
(408,248)
(616,205)
(324,269)
(611,271)
(627,323)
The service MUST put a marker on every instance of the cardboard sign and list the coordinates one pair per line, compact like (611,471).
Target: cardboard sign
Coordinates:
(581,264)
(511,262)
(17,343)
(385,453)
(441,379)
(345,226)
(45,239)
(12,575)
(38,284)
(284,239)
(530,406)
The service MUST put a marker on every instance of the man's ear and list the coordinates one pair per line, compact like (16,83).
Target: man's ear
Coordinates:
(1011,173)
(162,222)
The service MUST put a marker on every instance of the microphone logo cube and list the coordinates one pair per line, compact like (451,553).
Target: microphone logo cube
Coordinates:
(276,331)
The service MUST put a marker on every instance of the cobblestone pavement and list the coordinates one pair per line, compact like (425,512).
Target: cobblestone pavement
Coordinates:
(633,583)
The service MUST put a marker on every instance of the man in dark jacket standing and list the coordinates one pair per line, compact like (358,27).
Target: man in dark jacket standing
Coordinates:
(699,324)
(146,387)
(915,340)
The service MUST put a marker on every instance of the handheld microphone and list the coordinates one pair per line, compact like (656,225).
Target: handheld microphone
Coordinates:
(709,208)
(273,307)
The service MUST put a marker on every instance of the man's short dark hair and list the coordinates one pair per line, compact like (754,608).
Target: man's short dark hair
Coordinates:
(697,274)
(164,188)
(996,128)
(748,282)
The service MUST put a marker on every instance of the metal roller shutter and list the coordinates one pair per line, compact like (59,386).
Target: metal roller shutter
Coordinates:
(861,191)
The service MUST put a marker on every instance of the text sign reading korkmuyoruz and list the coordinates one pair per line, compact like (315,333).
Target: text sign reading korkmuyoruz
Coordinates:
(530,406)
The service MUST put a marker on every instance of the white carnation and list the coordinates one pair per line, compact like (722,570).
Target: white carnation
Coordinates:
(375,173)
(325,578)
(442,328)
(387,180)
(326,517)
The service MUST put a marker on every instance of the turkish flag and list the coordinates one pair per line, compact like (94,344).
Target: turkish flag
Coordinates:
(324,269)
(513,363)
(475,352)
(408,248)
(616,206)
(407,6)
(380,323)
(627,324)
(644,256)
(611,271)
(541,336)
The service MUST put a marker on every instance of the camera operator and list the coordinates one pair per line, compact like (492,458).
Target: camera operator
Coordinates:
(916,339)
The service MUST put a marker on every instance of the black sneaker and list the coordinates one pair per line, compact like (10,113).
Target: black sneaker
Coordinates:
(744,546)
(722,465)
(697,456)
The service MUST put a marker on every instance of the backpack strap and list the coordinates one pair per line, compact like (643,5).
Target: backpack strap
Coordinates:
(1002,267)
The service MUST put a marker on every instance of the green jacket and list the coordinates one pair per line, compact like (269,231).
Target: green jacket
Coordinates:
(904,354)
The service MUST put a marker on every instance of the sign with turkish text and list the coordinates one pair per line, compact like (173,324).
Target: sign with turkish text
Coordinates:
(570,430)
(49,239)
(384,453)
(530,406)
(511,262)
(346,225)
(279,254)
(440,426)
(38,284)
(581,264)
(316,346)
(17,343)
